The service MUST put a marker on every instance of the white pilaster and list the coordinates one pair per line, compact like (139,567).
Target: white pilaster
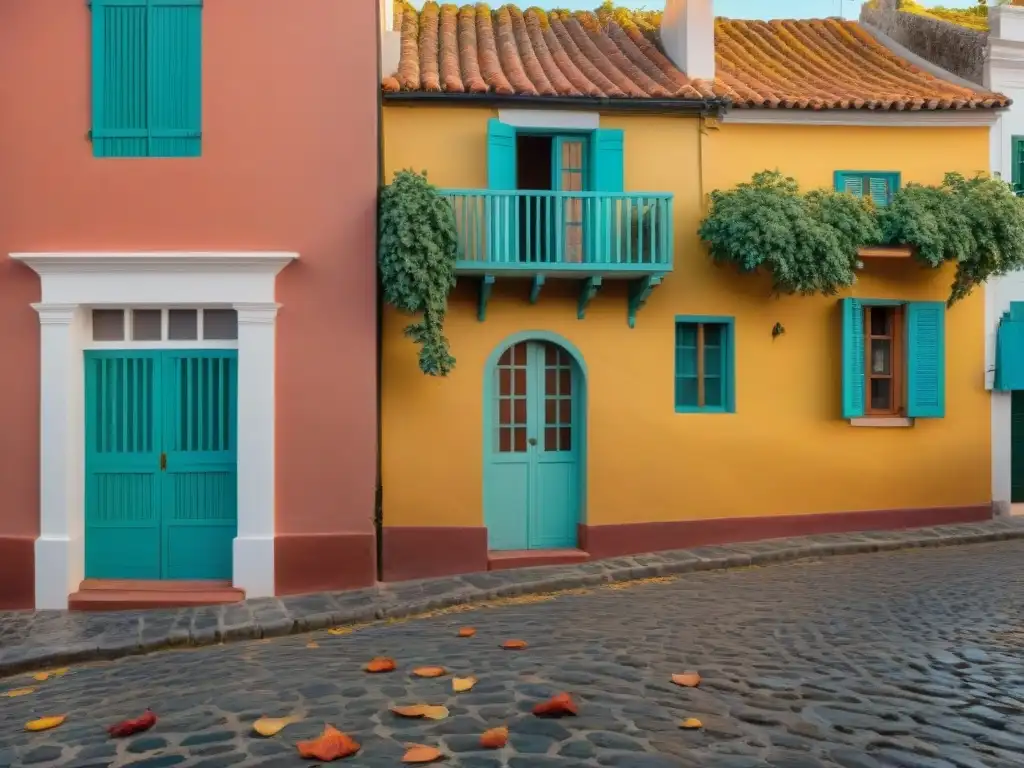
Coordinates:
(688,35)
(59,550)
(254,544)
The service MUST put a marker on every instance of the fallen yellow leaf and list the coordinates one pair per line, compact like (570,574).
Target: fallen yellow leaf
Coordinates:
(420,753)
(463,684)
(45,723)
(19,692)
(41,676)
(428,711)
(687,679)
(340,631)
(430,671)
(691,722)
(268,726)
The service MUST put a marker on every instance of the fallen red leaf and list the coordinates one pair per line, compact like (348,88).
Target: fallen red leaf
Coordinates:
(381,664)
(557,706)
(467,632)
(494,738)
(514,645)
(143,722)
(330,745)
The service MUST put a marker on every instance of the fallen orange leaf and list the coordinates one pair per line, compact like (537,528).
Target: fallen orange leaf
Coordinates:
(430,671)
(514,645)
(494,738)
(420,753)
(381,664)
(691,722)
(687,679)
(557,706)
(463,684)
(45,723)
(467,632)
(428,711)
(330,745)
(41,676)
(18,692)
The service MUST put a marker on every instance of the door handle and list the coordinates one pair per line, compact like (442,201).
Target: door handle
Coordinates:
(532,440)
(163,461)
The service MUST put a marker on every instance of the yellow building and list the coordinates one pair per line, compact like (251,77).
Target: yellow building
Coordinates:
(617,392)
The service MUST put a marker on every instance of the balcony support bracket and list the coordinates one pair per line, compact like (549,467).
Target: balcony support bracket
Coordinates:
(538,283)
(486,284)
(639,292)
(588,289)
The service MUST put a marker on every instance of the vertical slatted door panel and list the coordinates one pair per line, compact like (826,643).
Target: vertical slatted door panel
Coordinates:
(555,511)
(1017,447)
(123,433)
(175,78)
(508,476)
(200,483)
(119,81)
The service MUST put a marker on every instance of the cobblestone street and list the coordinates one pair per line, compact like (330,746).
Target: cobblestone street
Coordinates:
(899,659)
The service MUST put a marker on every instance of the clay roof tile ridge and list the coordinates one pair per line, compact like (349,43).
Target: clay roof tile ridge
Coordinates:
(429,70)
(451,79)
(599,59)
(529,55)
(408,74)
(490,62)
(508,53)
(559,81)
(469,60)
(590,71)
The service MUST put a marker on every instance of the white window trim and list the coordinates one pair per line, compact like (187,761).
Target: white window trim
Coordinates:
(73,284)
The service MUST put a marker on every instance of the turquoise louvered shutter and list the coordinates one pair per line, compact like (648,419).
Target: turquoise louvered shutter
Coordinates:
(853,358)
(607,170)
(852,184)
(501,155)
(878,188)
(607,174)
(1017,162)
(146,78)
(1009,374)
(926,359)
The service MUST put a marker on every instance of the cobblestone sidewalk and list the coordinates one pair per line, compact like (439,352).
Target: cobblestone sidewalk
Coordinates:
(33,640)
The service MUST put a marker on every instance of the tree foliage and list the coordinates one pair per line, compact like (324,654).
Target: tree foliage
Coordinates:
(809,241)
(417,251)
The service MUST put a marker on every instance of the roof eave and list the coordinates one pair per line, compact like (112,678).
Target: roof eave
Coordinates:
(644,105)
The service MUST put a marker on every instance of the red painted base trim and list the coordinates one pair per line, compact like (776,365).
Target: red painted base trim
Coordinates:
(324,562)
(634,538)
(528,558)
(139,594)
(424,552)
(17,573)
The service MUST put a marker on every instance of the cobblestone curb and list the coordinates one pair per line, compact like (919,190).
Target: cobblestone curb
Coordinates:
(35,640)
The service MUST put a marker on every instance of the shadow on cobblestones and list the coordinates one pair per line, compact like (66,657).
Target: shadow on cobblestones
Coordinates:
(907,659)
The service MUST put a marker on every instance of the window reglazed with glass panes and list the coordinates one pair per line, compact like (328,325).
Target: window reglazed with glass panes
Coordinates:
(170,326)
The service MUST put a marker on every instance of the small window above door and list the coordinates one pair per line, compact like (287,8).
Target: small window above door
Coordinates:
(149,325)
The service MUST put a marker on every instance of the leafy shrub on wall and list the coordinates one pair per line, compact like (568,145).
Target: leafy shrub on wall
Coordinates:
(417,250)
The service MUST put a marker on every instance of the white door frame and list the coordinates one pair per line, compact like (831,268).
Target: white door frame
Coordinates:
(72,282)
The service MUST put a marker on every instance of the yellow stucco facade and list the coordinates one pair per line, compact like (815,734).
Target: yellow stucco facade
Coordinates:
(786,450)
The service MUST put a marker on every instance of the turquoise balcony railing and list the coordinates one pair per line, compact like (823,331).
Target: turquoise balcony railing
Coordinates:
(566,234)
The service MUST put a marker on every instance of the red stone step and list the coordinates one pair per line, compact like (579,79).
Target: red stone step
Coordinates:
(134,594)
(528,558)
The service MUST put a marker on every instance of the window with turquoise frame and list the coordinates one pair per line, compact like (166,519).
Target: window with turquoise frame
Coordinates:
(705,364)
(880,186)
(1017,163)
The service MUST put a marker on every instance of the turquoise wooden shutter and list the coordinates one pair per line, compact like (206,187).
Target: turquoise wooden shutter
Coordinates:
(119,82)
(146,78)
(607,171)
(607,174)
(879,190)
(926,359)
(852,184)
(1009,374)
(175,78)
(501,155)
(853,358)
(1017,162)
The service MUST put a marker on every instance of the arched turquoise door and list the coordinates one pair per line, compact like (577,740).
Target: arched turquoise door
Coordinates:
(533,445)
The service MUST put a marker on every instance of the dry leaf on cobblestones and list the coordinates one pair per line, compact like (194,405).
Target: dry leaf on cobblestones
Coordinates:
(420,753)
(687,679)
(428,711)
(467,632)
(494,738)
(514,645)
(45,723)
(269,726)
(143,722)
(19,692)
(41,676)
(430,671)
(463,684)
(330,745)
(690,723)
(557,706)
(381,664)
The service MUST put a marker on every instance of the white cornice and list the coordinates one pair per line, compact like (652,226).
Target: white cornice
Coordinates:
(75,262)
(949,118)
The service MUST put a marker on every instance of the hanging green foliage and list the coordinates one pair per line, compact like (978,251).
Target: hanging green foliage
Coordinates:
(417,250)
(978,223)
(807,242)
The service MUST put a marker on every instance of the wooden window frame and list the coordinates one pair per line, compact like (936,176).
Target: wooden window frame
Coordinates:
(897,363)
(728,344)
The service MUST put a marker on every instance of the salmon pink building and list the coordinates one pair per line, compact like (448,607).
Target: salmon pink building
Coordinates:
(187,300)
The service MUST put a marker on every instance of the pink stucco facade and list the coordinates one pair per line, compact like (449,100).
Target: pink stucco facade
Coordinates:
(289,163)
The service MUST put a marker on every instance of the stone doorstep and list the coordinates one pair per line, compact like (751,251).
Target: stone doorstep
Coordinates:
(31,641)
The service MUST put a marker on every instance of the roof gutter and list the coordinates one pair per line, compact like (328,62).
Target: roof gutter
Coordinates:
(706,107)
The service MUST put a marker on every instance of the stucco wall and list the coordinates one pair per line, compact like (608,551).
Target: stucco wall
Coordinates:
(786,450)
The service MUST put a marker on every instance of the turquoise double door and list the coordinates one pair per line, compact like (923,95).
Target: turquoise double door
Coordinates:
(160,463)
(532,463)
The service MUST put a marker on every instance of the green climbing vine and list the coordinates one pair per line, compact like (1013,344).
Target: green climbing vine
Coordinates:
(808,241)
(417,250)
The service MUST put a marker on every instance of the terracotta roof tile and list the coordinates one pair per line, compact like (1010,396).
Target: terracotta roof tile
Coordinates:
(615,53)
